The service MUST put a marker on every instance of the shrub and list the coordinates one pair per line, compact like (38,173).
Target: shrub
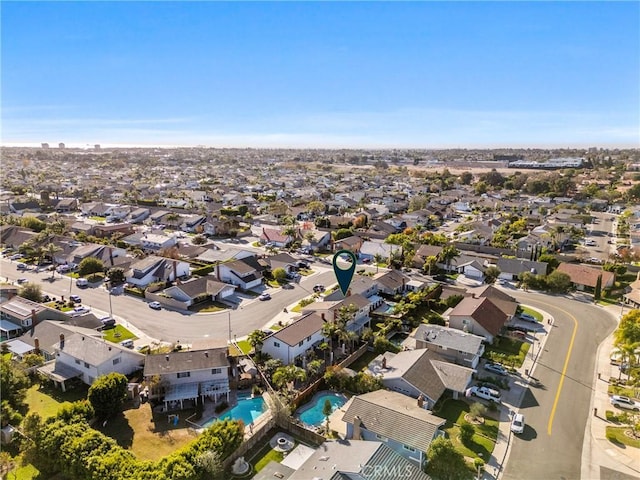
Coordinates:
(107,394)
(466,433)
(381,345)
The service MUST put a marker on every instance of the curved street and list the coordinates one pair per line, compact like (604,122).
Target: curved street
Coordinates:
(556,404)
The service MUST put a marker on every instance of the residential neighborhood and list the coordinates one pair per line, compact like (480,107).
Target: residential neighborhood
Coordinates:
(207,291)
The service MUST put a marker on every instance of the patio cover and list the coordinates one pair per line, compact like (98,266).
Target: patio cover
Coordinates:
(18,347)
(59,372)
(181,391)
(8,327)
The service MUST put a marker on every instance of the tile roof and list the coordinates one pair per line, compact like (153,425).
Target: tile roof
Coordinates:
(483,311)
(584,275)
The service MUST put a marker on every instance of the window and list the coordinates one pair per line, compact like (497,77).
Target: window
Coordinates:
(300,344)
(276,344)
(116,361)
(216,371)
(184,374)
(407,447)
(309,338)
(77,362)
(86,365)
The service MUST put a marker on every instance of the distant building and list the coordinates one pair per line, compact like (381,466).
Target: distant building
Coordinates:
(96,146)
(61,145)
(45,145)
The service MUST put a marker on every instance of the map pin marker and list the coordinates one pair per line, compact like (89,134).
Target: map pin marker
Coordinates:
(344,276)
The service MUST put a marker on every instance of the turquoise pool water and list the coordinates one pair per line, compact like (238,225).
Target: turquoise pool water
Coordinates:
(312,414)
(247,410)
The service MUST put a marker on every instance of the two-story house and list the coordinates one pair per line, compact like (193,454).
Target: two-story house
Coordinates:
(87,357)
(402,423)
(181,376)
(245,273)
(157,241)
(156,269)
(454,345)
(479,316)
(290,343)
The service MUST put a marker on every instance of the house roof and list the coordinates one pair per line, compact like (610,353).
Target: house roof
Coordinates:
(19,307)
(302,328)
(94,351)
(175,362)
(273,235)
(245,266)
(48,333)
(429,251)
(504,302)
(396,416)
(356,460)
(516,266)
(393,279)
(483,311)
(584,275)
(449,338)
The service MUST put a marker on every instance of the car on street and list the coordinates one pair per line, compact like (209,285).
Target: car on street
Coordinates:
(527,318)
(485,393)
(590,243)
(82,283)
(318,288)
(517,424)
(22,281)
(16,256)
(625,402)
(75,298)
(155,305)
(77,311)
(21,266)
(496,368)
(264,296)
(287,286)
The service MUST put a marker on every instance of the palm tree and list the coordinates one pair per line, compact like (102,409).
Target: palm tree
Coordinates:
(50,251)
(314,367)
(329,330)
(284,376)
(378,259)
(448,253)
(629,353)
(256,339)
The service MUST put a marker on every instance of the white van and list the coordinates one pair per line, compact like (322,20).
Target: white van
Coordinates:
(127,343)
(82,282)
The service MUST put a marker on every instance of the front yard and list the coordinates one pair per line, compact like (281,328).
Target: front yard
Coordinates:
(508,351)
(118,334)
(484,438)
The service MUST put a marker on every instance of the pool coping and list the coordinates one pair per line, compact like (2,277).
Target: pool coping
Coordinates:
(217,416)
(307,406)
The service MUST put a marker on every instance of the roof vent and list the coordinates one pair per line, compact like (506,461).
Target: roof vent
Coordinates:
(166,357)
(323,459)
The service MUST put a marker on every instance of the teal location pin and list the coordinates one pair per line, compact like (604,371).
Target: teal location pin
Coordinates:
(344,276)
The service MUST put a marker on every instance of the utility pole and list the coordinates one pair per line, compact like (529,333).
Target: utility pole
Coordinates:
(229,318)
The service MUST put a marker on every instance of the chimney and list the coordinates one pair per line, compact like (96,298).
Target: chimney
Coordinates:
(357,422)
(420,401)
(384,362)
(349,292)
(218,271)
(324,319)
(34,320)
(36,345)
(61,341)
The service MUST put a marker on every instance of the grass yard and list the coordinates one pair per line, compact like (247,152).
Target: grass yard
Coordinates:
(46,401)
(508,351)
(234,351)
(245,346)
(363,361)
(118,334)
(28,472)
(264,456)
(534,313)
(208,307)
(622,390)
(617,435)
(275,327)
(484,439)
(149,435)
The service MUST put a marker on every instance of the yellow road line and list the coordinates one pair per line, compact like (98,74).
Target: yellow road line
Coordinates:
(564,370)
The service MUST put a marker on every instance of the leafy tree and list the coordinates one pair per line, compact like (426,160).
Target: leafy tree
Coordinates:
(491,274)
(466,433)
(628,330)
(279,274)
(199,240)
(256,339)
(32,360)
(477,410)
(107,394)
(314,367)
(558,282)
(466,178)
(288,374)
(316,208)
(116,276)
(31,291)
(342,233)
(597,291)
(447,254)
(327,410)
(453,300)
(445,462)
(89,266)
(551,261)
(14,383)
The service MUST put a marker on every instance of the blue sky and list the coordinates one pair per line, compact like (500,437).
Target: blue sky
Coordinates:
(425,74)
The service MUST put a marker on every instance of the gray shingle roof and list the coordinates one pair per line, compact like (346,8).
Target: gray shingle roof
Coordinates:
(185,361)
(396,416)
(449,338)
(297,331)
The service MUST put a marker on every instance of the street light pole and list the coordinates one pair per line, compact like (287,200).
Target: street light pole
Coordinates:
(229,318)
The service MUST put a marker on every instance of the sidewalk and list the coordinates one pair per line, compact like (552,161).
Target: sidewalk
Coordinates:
(597,451)
(512,398)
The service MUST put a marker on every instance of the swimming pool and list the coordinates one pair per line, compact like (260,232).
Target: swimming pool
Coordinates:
(398,338)
(312,415)
(247,410)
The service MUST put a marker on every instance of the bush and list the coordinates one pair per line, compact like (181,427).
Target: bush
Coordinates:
(466,433)
(107,394)
(611,417)
(381,345)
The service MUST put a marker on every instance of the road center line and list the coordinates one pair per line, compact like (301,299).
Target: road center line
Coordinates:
(564,370)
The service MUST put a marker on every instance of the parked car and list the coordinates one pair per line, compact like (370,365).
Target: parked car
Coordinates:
(21,266)
(107,323)
(517,424)
(318,288)
(82,283)
(127,343)
(264,296)
(16,256)
(625,402)
(63,268)
(485,393)
(75,298)
(496,368)
(527,318)
(22,281)
(288,286)
(155,305)
(81,310)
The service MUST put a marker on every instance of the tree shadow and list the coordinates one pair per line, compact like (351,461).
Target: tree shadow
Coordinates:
(118,428)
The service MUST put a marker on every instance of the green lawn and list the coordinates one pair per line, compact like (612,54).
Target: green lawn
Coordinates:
(28,472)
(46,401)
(118,334)
(363,361)
(508,351)
(275,327)
(245,346)
(208,307)
(617,435)
(534,313)
(259,462)
(483,441)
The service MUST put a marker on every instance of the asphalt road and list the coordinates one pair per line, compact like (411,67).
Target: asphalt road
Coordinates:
(551,445)
(170,326)
(600,232)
